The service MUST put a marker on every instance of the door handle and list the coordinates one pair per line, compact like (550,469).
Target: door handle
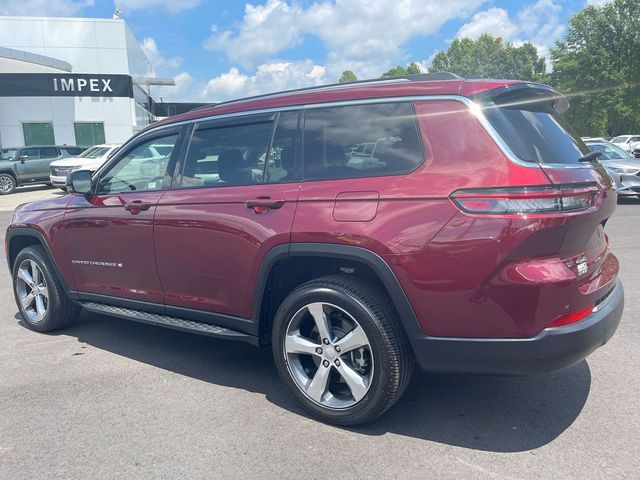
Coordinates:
(137,206)
(263,204)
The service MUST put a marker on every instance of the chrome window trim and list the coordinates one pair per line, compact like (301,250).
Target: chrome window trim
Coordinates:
(473,107)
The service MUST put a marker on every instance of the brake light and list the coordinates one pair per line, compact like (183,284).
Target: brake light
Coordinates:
(526,200)
(568,318)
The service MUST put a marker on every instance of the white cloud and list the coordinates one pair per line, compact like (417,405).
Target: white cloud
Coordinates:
(158,61)
(495,21)
(538,23)
(269,77)
(265,30)
(43,7)
(171,6)
(361,35)
(597,3)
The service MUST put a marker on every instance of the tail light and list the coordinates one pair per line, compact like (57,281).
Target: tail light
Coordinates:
(526,200)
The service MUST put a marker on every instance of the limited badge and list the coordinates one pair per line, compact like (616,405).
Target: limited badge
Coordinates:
(581,264)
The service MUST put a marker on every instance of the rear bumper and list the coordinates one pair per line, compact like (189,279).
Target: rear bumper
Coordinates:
(550,350)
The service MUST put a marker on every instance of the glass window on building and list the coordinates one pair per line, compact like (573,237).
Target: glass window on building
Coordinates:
(89,134)
(38,134)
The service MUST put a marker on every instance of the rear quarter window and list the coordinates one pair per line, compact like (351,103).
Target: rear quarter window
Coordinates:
(361,141)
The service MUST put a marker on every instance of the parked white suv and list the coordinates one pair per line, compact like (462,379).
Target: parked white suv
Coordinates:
(91,159)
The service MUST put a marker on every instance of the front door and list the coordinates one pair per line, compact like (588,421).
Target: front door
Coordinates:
(235,200)
(109,235)
(28,165)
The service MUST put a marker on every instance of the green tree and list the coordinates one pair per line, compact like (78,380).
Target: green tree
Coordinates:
(598,66)
(347,76)
(412,69)
(490,57)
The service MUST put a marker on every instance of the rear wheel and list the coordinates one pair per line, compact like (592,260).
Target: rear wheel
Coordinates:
(338,345)
(42,302)
(7,183)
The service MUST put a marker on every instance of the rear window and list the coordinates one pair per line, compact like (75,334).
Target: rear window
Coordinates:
(532,131)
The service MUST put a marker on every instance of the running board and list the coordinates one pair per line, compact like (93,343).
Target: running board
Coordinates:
(169,322)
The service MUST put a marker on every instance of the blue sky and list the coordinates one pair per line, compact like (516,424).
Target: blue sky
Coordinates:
(220,49)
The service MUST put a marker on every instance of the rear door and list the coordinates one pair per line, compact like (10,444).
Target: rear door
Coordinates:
(47,155)
(234,200)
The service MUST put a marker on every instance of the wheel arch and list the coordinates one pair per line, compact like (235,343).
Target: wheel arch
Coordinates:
(22,237)
(272,285)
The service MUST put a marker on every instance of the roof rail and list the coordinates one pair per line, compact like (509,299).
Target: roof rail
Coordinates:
(418,77)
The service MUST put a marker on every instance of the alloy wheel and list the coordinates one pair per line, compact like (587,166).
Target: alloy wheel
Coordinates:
(33,293)
(6,184)
(328,355)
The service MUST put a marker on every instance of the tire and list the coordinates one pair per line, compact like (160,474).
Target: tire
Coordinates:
(384,366)
(59,311)
(7,183)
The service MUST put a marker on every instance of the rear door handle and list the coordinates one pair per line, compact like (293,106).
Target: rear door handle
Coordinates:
(263,204)
(137,206)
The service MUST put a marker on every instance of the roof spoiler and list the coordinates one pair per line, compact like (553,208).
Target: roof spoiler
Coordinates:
(531,96)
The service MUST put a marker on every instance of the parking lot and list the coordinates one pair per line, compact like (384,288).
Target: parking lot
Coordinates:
(109,398)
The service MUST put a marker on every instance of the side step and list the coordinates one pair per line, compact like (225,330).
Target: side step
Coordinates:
(169,322)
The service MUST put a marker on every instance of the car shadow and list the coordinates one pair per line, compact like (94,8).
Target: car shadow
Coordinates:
(498,414)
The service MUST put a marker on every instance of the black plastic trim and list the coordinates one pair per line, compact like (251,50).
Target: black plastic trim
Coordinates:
(347,252)
(550,350)
(243,325)
(33,233)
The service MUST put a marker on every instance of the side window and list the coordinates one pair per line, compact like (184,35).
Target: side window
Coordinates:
(283,150)
(30,153)
(48,152)
(226,155)
(360,141)
(143,168)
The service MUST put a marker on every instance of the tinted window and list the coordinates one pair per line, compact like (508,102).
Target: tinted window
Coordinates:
(283,150)
(30,152)
(48,152)
(360,141)
(225,155)
(139,170)
(620,139)
(38,134)
(535,135)
(73,150)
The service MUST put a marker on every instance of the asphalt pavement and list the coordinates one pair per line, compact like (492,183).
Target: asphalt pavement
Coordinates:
(109,398)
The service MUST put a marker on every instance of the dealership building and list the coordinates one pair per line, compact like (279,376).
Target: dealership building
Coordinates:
(72,81)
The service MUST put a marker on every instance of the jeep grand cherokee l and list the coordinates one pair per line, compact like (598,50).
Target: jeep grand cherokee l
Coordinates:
(473,240)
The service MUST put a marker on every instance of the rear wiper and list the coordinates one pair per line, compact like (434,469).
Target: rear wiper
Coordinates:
(590,157)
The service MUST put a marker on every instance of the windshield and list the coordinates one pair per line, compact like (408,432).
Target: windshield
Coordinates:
(609,152)
(8,153)
(94,152)
(620,139)
(534,134)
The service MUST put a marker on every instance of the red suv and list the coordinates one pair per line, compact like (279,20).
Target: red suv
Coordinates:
(355,229)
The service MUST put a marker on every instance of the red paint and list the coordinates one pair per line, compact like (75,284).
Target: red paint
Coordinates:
(468,275)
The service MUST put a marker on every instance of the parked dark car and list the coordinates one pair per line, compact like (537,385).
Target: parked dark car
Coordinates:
(471,241)
(30,165)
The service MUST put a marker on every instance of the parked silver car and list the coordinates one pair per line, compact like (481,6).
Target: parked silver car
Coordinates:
(623,167)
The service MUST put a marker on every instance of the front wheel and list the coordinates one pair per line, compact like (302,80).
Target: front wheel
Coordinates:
(339,347)
(7,183)
(42,302)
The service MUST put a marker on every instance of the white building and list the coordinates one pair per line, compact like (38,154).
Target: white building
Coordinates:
(73,81)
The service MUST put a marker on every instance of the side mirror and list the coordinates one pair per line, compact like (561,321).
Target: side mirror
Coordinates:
(79,181)
(23,158)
